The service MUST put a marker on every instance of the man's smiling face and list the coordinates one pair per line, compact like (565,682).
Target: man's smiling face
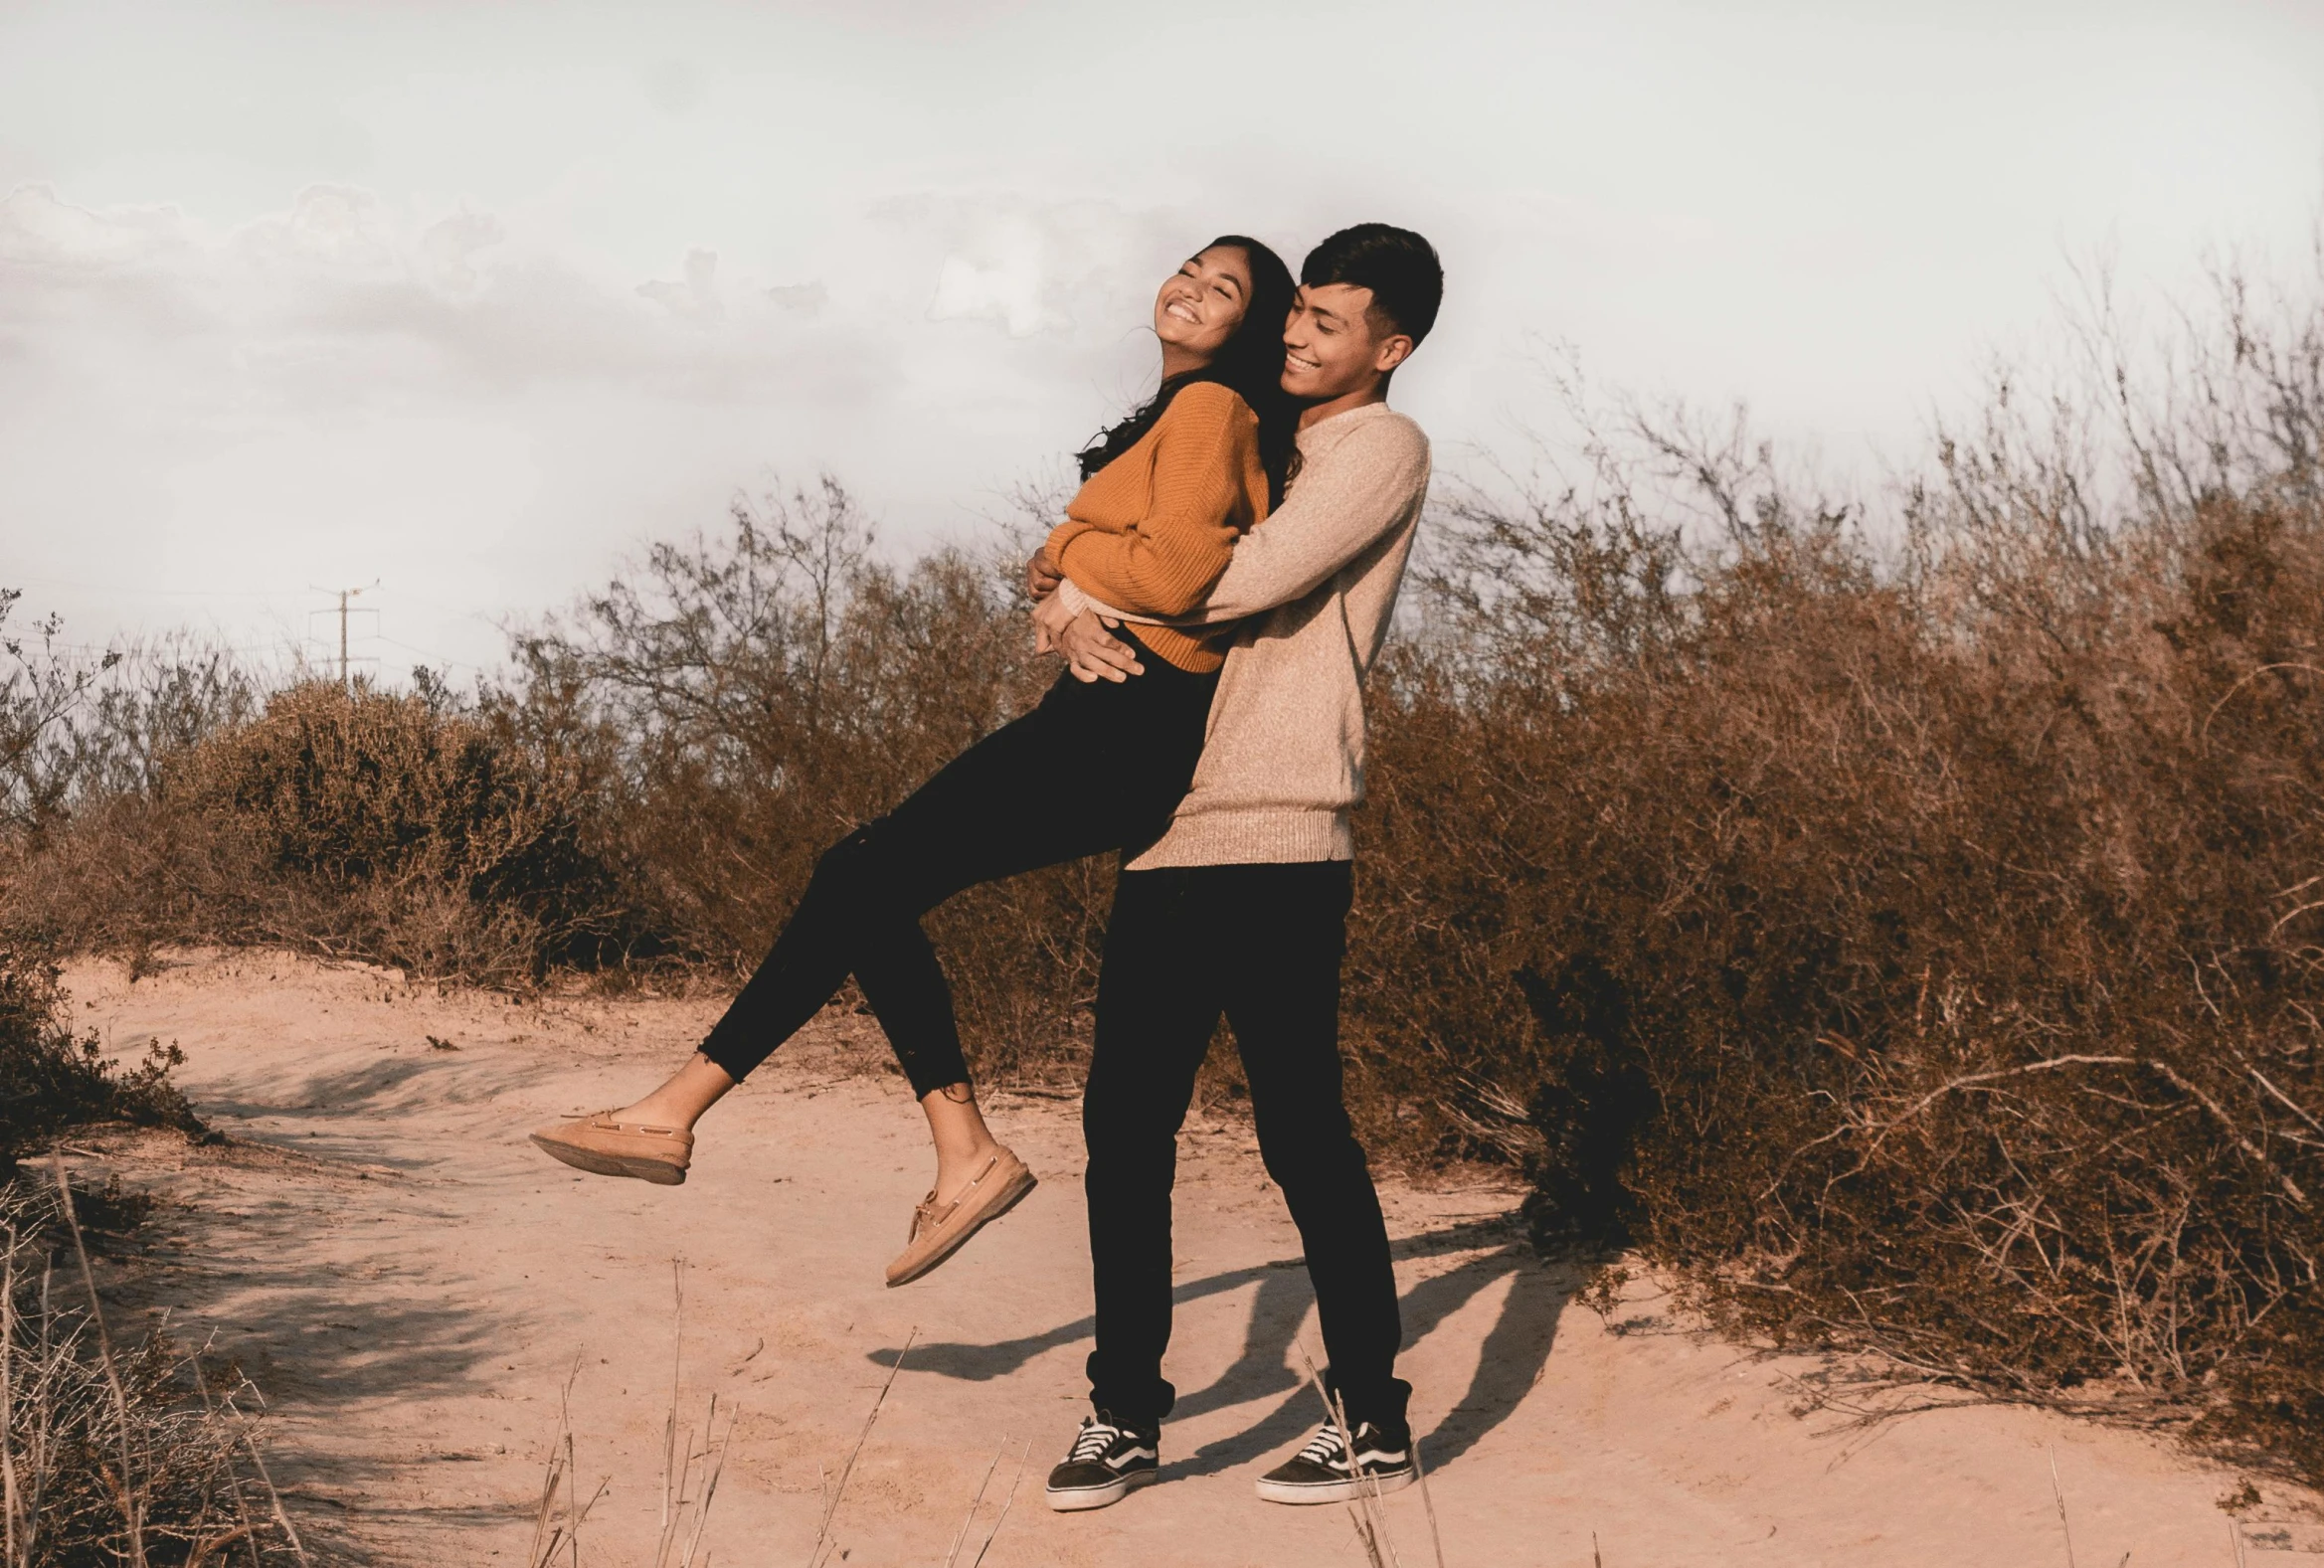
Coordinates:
(1335,344)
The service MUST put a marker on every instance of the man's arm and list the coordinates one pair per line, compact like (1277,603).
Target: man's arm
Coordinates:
(1339,509)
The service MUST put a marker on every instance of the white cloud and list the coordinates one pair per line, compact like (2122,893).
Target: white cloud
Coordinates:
(1030,266)
(696,296)
(45,237)
(807,300)
(447,244)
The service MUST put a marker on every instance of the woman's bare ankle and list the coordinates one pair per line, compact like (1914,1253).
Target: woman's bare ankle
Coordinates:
(682,1097)
(963,1143)
(652,1111)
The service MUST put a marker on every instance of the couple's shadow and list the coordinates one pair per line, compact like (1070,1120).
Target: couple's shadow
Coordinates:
(1509,1361)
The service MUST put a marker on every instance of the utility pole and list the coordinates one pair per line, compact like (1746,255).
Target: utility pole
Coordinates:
(346,595)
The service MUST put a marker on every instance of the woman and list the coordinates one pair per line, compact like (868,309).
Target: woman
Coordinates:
(1164,495)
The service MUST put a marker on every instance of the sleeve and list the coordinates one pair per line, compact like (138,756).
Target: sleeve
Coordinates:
(1339,509)
(1163,564)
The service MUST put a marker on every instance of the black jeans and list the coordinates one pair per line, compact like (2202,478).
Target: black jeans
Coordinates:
(1095,766)
(1262,945)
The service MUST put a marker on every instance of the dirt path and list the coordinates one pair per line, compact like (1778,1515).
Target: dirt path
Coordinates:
(411,1284)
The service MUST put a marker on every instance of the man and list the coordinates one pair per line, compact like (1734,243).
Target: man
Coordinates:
(1241,906)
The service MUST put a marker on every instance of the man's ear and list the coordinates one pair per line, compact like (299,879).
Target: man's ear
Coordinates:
(1393,351)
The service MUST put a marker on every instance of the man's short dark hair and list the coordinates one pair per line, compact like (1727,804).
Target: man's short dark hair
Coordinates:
(1406,280)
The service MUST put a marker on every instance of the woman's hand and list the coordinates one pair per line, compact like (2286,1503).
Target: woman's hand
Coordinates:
(1092,654)
(1084,642)
(1042,573)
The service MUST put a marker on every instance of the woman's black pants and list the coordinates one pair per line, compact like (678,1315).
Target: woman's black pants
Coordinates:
(1095,767)
(1262,945)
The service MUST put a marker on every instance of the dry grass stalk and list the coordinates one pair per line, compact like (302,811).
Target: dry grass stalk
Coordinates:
(558,1532)
(9,1502)
(690,1470)
(1427,1502)
(281,1514)
(1007,1504)
(826,1542)
(131,1498)
(37,1449)
(2057,1492)
(242,1513)
(960,1535)
(1366,1510)
(669,1425)
(701,1465)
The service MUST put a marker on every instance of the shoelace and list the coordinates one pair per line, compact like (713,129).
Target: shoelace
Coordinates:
(1326,1446)
(1096,1437)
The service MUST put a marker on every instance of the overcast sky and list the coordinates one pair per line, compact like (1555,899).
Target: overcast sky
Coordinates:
(472,298)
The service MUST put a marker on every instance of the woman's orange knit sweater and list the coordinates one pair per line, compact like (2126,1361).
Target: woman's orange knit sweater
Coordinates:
(1151,530)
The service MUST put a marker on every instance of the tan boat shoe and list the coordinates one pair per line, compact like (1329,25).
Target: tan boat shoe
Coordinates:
(595,1141)
(941,1229)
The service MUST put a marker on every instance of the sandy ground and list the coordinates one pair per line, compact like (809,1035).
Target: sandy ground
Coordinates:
(411,1284)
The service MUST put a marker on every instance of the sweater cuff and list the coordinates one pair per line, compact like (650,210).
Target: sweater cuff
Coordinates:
(1077,598)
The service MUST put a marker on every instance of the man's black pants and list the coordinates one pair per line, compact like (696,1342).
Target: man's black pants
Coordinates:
(1262,945)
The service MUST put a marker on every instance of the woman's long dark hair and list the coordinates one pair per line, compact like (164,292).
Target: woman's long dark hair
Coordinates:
(1249,364)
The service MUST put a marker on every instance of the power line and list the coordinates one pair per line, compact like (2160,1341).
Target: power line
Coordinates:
(14,578)
(413,647)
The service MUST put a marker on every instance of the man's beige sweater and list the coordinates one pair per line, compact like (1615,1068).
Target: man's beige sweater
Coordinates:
(1315,584)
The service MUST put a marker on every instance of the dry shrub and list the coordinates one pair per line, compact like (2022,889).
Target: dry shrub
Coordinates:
(52,1080)
(741,703)
(359,822)
(1917,953)
(109,1445)
(64,1427)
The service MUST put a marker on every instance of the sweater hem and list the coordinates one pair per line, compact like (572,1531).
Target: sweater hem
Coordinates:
(1250,838)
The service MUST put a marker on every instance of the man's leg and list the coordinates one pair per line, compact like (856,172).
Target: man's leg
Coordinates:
(1283,1000)
(1157,1003)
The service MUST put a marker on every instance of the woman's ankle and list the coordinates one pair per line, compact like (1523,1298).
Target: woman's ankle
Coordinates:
(653,1111)
(955,1125)
(954,1152)
(681,1097)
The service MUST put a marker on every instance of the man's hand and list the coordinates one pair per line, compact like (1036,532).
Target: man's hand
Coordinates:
(1042,573)
(1050,618)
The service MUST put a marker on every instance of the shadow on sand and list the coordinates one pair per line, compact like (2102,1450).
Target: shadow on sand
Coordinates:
(1508,1363)
(234,1269)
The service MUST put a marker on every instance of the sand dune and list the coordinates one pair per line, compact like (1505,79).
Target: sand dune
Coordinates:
(411,1286)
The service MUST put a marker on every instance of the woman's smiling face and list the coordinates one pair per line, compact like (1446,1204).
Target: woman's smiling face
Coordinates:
(1200,305)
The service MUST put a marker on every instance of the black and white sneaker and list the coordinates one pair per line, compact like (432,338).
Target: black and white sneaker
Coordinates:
(1106,1462)
(1332,1469)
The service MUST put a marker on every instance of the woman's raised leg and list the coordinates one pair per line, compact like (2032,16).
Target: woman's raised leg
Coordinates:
(993,812)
